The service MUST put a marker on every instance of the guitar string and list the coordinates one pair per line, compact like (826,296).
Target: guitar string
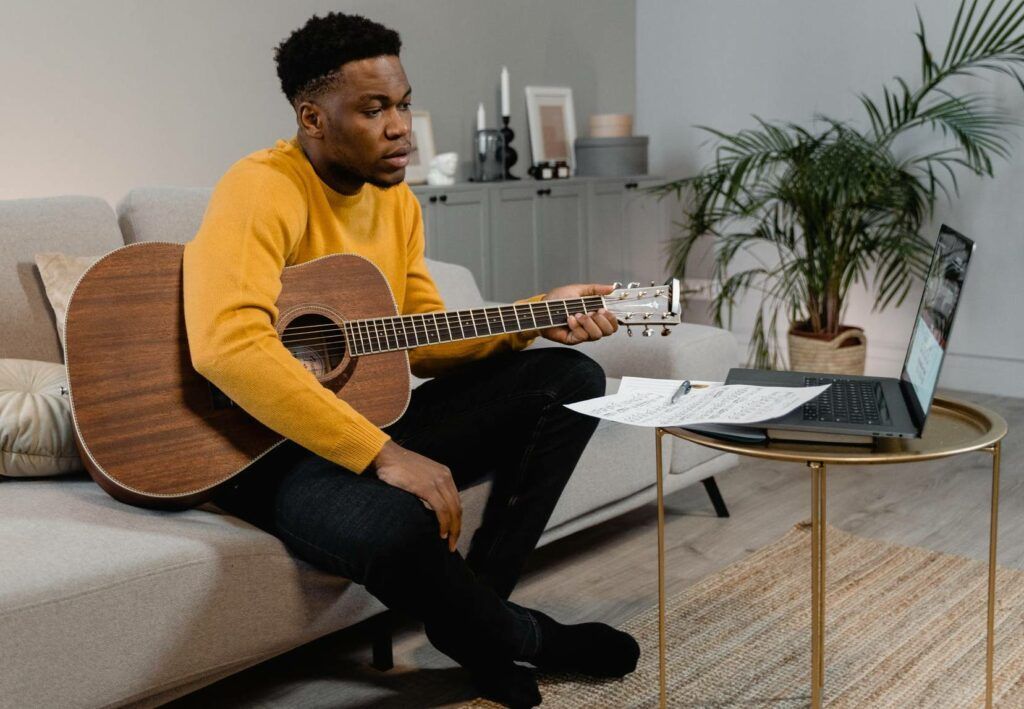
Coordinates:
(418,320)
(367,332)
(371,344)
(486,312)
(419,324)
(391,342)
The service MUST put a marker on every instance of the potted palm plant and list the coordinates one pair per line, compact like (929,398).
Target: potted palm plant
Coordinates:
(823,208)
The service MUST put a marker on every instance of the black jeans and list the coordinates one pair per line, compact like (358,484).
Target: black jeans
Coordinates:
(502,416)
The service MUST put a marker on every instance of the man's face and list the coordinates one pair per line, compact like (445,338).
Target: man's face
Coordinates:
(366,124)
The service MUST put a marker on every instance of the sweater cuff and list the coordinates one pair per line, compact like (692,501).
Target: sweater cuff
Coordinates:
(360,447)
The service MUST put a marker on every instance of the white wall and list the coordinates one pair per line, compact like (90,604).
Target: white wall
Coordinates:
(716,62)
(101,96)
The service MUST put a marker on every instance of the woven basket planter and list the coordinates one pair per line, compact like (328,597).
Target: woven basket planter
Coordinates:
(844,354)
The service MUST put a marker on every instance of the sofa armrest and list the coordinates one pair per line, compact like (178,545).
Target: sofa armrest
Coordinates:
(690,352)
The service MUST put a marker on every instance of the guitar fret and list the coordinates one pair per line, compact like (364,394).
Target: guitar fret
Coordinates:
(533,316)
(436,328)
(448,324)
(462,330)
(551,318)
(349,340)
(394,331)
(364,336)
(409,321)
(519,325)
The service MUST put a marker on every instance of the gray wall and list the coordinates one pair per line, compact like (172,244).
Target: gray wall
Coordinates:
(716,62)
(99,97)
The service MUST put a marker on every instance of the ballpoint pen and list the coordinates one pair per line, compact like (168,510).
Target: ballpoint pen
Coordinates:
(683,389)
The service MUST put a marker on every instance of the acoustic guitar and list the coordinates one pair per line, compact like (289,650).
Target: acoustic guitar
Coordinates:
(153,432)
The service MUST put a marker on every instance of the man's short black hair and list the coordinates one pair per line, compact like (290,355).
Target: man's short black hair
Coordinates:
(308,59)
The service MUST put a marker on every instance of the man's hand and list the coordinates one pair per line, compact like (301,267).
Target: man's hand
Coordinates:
(585,326)
(426,479)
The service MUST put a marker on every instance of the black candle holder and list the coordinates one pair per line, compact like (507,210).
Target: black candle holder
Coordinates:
(509,154)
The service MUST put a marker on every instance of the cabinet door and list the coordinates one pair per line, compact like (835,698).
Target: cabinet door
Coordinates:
(561,251)
(648,222)
(427,200)
(459,232)
(513,247)
(607,236)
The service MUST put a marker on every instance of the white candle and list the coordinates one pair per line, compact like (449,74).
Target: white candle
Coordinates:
(481,118)
(504,91)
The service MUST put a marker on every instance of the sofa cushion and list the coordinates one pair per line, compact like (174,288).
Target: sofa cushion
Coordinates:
(36,432)
(74,225)
(107,602)
(162,213)
(60,273)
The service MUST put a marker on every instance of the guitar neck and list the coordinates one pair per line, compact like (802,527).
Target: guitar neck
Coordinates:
(405,332)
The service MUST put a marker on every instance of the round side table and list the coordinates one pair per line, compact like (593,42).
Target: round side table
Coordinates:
(953,427)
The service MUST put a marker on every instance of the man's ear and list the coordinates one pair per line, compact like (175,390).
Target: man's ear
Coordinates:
(311,119)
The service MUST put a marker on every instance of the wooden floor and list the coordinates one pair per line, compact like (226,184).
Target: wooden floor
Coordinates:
(609,572)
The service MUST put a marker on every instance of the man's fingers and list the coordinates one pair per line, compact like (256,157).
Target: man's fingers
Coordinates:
(436,500)
(590,327)
(607,322)
(446,488)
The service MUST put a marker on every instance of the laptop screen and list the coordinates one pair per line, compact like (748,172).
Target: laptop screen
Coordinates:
(934,321)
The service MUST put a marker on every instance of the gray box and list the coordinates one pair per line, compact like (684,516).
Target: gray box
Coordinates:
(611,157)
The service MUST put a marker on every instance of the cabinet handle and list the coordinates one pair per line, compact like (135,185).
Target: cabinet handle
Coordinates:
(632,185)
(443,198)
(541,193)
(433,199)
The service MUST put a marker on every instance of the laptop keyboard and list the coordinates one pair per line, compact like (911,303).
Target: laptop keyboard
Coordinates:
(846,401)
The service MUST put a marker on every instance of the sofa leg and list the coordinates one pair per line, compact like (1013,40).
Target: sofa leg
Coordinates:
(383,655)
(716,497)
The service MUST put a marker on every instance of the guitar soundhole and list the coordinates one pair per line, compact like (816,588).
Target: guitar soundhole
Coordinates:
(316,341)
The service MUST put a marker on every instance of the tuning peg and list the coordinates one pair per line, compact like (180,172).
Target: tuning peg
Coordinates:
(652,284)
(665,332)
(633,284)
(648,331)
(616,285)
(627,316)
(629,331)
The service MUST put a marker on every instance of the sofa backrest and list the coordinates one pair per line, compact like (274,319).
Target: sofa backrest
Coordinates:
(87,226)
(82,226)
(175,213)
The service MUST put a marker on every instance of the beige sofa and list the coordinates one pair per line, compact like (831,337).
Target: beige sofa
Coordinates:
(103,604)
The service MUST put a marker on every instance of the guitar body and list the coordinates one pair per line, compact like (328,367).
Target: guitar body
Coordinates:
(151,430)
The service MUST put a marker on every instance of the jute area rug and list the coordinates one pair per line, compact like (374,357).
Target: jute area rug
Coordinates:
(905,628)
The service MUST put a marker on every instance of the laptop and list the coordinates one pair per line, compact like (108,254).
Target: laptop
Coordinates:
(857,409)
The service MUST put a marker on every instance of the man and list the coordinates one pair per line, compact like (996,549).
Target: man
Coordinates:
(382,507)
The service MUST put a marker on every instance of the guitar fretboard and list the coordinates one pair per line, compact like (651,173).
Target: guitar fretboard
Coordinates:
(405,332)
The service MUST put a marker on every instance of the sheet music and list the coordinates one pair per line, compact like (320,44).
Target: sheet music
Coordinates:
(646,402)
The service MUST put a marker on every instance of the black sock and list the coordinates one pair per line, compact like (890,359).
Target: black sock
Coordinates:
(507,683)
(594,649)
(495,676)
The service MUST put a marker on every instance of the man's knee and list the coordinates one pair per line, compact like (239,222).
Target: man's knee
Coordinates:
(576,376)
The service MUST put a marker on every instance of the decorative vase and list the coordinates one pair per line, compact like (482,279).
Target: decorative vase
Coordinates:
(843,354)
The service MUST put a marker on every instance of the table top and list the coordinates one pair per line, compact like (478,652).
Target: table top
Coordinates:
(953,427)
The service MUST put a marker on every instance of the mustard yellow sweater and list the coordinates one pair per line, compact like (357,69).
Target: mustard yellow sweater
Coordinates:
(270,210)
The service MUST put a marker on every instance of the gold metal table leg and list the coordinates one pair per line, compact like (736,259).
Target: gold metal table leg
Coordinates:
(993,534)
(658,434)
(817,582)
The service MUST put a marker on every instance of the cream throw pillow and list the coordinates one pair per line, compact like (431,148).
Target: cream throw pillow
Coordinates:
(36,428)
(60,274)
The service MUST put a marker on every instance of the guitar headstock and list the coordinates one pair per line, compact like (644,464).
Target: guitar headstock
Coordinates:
(645,306)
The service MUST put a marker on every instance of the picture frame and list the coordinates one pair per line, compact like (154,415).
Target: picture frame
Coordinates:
(422,138)
(552,123)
